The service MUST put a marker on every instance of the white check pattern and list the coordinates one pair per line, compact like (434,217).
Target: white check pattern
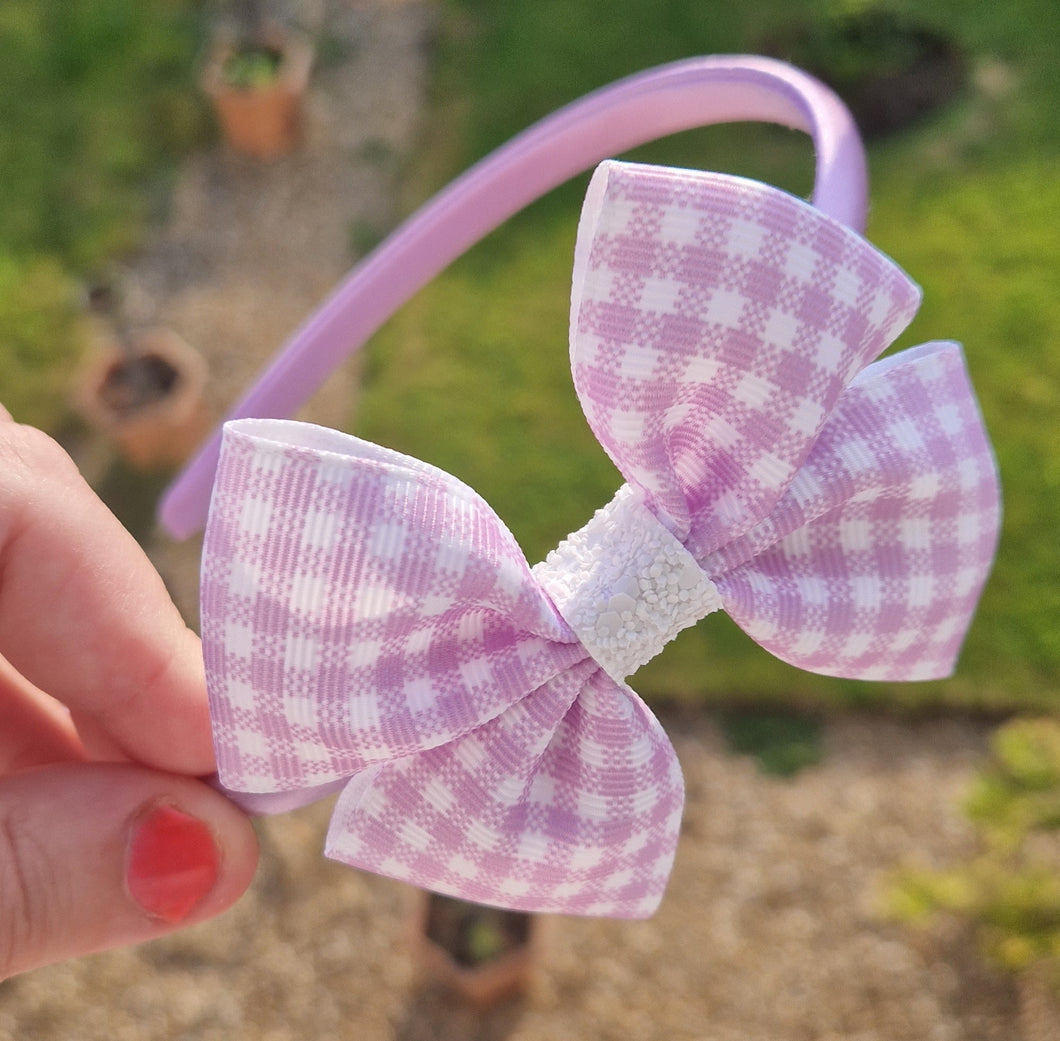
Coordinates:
(369,623)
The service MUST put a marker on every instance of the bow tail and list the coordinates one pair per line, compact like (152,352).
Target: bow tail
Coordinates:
(568,802)
(899,506)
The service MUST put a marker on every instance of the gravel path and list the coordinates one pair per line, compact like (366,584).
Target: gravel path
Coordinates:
(251,248)
(769,930)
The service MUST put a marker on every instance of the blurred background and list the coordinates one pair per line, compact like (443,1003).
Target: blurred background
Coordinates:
(156,249)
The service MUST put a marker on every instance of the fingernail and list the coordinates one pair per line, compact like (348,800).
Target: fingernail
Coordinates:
(172,864)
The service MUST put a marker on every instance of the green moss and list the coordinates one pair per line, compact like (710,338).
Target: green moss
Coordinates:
(252,68)
(783,743)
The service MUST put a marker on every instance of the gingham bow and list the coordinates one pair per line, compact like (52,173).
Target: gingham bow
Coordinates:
(369,622)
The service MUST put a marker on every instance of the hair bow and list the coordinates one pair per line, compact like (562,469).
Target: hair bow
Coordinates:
(370,624)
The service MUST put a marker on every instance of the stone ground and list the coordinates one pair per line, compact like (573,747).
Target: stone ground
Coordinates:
(770,929)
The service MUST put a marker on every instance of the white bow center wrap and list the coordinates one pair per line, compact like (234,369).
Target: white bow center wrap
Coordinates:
(626,585)
(370,624)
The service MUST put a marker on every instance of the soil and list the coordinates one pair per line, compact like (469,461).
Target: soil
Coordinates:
(771,927)
(472,934)
(136,382)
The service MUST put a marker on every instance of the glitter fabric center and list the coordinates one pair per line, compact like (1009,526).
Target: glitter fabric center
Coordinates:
(625,585)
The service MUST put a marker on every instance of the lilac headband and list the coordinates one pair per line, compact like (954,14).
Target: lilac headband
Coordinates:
(370,626)
(636,110)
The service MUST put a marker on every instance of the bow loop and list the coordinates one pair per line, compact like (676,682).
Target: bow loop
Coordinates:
(359,603)
(871,564)
(715,322)
(568,802)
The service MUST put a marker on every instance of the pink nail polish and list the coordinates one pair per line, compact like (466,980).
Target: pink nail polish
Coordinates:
(172,864)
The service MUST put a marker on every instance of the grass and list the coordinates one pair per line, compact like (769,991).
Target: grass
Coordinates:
(473,373)
(96,102)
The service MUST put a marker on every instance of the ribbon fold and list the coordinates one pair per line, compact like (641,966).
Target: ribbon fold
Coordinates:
(370,624)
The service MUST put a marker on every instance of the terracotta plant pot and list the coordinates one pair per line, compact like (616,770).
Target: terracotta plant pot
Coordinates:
(262,120)
(148,398)
(483,954)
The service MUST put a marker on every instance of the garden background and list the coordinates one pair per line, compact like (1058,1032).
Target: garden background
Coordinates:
(98,102)
(967,201)
(99,108)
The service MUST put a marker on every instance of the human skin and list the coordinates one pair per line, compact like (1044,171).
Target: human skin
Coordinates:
(108,834)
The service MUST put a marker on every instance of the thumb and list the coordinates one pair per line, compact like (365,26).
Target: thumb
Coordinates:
(103,855)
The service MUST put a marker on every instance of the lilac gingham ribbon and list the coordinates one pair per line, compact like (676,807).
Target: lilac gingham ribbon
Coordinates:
(370,624)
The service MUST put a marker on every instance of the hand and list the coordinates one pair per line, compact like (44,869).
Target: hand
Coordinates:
(107,837)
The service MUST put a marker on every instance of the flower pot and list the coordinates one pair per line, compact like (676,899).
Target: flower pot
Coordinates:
(485,955)
(148,398)
(264,119)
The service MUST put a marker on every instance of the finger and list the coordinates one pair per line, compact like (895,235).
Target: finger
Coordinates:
(34,728)
(99,746)
(85,617)
(95,855)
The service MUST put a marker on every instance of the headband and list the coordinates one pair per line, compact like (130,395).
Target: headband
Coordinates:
(371,627)
(631,112)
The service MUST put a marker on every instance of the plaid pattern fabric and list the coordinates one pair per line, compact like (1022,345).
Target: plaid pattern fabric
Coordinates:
(368,621)
(715,323)
(871,564)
